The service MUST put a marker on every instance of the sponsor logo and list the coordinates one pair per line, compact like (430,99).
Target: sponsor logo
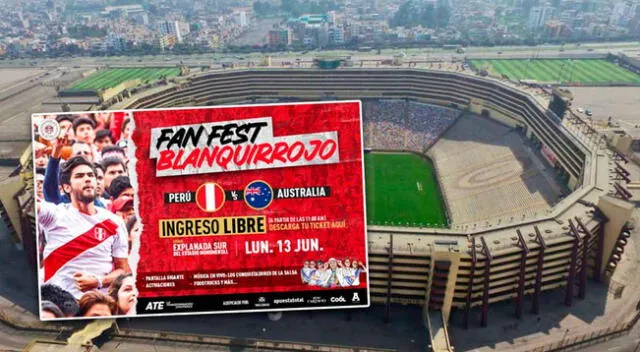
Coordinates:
(258,195)
(355,298)
(186,305)
(262,299)
(159,305)
(49,129)
(316,300)
(340,299)
(289,300)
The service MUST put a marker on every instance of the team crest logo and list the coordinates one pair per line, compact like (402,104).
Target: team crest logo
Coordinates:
(49,129)
(100,233)
(258,195)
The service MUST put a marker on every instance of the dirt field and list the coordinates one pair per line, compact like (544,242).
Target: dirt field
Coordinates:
(16,109)
(8,76)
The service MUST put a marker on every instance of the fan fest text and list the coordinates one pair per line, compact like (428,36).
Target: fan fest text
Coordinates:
(237,145)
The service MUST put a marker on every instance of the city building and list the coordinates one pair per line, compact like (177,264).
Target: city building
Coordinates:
(556,29)
(241,18)
(336,35)
(280,36)
(114,42)
(170,28)
(167,41)
(619,15)
(538,16)
(123,10)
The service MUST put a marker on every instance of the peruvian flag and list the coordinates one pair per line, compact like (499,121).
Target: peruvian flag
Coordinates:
(210,197)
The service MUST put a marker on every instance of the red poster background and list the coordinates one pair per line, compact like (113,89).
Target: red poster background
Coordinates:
(346,201)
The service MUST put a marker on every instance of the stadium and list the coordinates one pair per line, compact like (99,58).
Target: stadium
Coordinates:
(509,234)
(476,192)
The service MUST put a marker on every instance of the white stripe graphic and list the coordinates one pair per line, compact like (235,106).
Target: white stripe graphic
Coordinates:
(210,196)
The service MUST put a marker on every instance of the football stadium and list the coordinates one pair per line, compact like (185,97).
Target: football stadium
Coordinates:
(477,193)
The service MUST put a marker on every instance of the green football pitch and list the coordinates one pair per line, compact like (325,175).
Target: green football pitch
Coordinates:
(112,77)
(402,190)
(564,71)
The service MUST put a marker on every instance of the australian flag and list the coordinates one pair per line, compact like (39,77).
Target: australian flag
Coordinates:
(258,195)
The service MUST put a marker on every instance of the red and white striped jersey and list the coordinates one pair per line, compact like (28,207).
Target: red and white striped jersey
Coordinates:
(77,242)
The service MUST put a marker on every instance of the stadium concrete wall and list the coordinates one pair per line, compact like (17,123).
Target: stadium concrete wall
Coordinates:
(110,93)
(630,62)
(477,106)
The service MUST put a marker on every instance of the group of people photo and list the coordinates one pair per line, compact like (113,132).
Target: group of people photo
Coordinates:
(86,215)
(332,273)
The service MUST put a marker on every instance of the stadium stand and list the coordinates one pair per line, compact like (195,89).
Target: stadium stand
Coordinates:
(486,174)
(445,89)
(404,124)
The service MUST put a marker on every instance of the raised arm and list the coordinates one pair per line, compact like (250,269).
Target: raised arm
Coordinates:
(51,177)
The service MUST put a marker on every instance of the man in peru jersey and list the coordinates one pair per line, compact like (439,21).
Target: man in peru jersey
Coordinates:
(86,246)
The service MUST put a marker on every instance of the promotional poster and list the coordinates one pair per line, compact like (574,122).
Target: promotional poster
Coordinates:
(200,210)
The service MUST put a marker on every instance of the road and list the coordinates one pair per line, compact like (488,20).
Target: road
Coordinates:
(547,51)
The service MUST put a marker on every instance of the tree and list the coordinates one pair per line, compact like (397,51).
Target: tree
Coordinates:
(413,13)
(293,7)
(443,13)
(428,16)
(82,31)
(263,9)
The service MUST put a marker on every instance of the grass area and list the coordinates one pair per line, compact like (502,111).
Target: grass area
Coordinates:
(112,77)
(565,71)
(402,190)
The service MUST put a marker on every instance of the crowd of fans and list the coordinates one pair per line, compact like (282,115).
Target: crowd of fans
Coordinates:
(426,123)
(333,273)
(404,125)
(86,215)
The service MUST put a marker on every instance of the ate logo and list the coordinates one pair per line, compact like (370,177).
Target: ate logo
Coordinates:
(155,306)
